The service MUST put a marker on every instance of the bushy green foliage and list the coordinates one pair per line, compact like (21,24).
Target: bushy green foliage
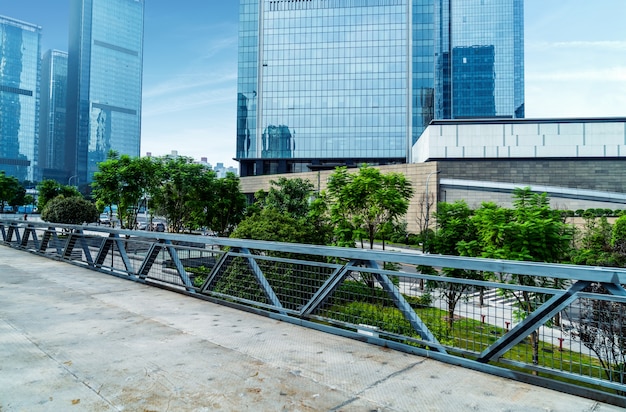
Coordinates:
(618,236)
(285,214)
(422,301)
(600,243)
(10,189)
(219,205)
(351,290)
(289,196)
(49,189)
(270,224)
(69,210)
(187,194)
(124,181)
(363,204)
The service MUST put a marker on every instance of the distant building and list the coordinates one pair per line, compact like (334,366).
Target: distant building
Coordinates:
(52,118)
(20,65)
(325,83)
(222,170)
(579,162)
(105,66)
(219,168)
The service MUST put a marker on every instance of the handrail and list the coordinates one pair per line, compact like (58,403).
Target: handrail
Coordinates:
(537,328)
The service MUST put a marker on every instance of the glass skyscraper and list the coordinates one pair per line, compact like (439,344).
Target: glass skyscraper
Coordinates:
(105,66)
(52,115)
(323,83)
(19,98)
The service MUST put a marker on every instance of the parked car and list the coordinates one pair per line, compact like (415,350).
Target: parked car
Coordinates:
(141,225)
(159,227)
(104,219)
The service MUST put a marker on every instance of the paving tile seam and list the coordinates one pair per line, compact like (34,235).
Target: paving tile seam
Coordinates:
(392,375)
(359,395)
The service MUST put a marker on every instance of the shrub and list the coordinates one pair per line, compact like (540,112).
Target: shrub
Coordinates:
(69,210)
(414,239)
(422,301)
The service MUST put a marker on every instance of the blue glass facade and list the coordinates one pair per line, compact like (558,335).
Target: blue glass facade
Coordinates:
(479,59)
(104,82)
(19,98)
(324,83)
(52,115)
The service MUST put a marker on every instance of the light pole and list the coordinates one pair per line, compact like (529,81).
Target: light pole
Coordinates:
(69,181)
(427,210)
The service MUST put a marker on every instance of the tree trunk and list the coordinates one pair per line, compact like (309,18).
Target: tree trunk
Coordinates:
(534,341)
(451,310)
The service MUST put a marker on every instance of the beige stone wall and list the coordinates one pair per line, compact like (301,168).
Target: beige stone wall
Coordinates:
(417,174)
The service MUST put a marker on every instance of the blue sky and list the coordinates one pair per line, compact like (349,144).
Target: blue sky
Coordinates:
(575,64)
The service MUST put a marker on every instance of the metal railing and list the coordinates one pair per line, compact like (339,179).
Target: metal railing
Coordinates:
(559,326)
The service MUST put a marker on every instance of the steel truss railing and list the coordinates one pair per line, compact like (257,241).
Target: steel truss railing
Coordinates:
(549,331)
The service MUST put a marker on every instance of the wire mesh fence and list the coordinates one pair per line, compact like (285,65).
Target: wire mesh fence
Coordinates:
(562,322)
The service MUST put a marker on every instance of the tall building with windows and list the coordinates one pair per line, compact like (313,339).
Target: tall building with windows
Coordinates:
(20,45)
(105,64)
(52,115)
(324,83)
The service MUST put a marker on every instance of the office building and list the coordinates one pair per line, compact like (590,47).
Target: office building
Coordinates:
(324,83)
(105,64)
(580,163)
(20,45)
(52,115)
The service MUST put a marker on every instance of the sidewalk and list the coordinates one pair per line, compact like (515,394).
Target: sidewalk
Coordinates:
(73,339)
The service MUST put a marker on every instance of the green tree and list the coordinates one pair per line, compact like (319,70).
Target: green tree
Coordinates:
(177,193)
(124,181)
(9,188)
(291,196)
(453,227)
(594,245)
(72,210)
(272,225)
(286,214)
(361,204)
(218,205)
(225,206)
(19,197)
(531,231)
(107,183)
(49,189)
(618,238)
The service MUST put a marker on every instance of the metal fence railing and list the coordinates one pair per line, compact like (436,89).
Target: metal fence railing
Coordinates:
(560,326)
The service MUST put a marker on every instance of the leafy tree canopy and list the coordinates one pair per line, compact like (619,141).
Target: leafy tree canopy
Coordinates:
(72,210)
(124,181)
(273,225)
(362,203)
(218,204)
(291,196)
(49,189)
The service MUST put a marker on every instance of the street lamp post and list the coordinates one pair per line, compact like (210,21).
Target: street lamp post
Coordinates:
(69,181)
(424,243)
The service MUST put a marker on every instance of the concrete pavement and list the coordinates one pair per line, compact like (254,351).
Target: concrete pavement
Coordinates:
(73,339)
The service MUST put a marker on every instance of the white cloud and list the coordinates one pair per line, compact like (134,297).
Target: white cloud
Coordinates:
(181,102)
(188,83)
